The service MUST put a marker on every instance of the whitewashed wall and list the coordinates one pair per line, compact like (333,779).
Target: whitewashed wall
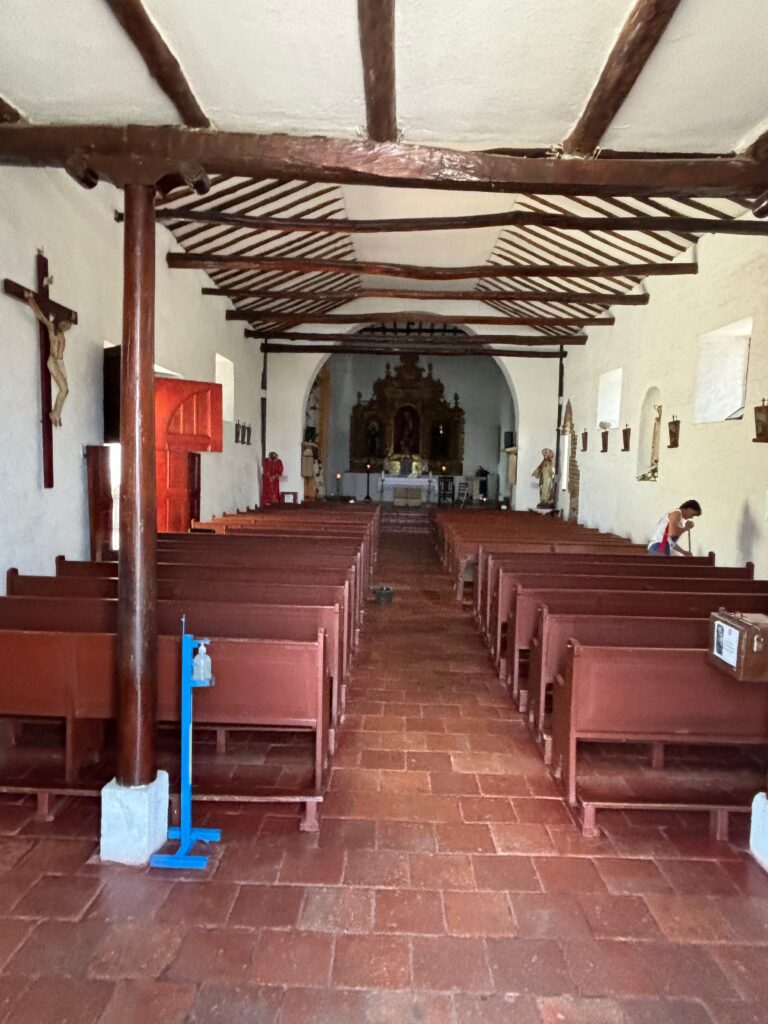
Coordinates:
(716,463)
(77,231)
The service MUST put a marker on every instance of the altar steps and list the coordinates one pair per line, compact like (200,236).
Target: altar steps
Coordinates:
(405,520)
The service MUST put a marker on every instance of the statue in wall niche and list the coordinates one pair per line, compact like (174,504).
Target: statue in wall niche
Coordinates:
(57,342)
(545,474)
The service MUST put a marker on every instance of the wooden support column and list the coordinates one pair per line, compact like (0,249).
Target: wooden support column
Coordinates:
(137,587)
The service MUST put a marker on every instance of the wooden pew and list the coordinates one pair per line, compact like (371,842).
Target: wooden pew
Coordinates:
(259,684)
(204,618)
(549,650)
(677,604)
(268,579)
(648,695)
(492,562)
(511,584)
(216,590)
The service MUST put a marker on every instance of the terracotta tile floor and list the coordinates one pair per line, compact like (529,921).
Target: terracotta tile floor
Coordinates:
(447,886)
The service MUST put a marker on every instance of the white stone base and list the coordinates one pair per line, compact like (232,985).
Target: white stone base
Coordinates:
(758,833)
(134,820)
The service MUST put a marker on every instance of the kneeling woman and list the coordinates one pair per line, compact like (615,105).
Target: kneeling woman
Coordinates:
(671,527)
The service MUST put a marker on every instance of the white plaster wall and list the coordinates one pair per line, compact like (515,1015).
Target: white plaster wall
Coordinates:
(76,229)
(483,395)
(716,463)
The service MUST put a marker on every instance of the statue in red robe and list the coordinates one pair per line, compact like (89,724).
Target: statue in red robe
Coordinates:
(272,470)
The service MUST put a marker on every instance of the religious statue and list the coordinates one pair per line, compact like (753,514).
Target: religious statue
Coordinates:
(57,342)
(406,430)
(545,474)
(373,439)
(272,470)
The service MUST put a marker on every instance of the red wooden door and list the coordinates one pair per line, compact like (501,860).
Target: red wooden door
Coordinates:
(188,418)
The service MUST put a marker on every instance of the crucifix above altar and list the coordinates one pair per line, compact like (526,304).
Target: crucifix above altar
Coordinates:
(407,428)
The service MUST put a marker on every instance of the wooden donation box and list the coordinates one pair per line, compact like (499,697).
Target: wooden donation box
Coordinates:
(738,645)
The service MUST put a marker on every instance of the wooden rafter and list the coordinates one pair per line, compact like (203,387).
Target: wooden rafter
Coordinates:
(592,298)
(203,261)
(159,59)
(427,318)
(635,44)
(398,348)
(376,20)
(363,339)
(144,153)
(515,218)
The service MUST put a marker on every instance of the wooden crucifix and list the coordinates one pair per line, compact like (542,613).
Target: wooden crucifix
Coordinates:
(58,319)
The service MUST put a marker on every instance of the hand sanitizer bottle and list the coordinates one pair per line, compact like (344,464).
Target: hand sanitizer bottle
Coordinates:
(201,665)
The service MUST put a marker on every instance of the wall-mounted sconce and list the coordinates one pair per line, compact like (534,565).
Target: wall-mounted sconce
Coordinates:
(761,423)
(238,431)
(626,433)
(584,440)
(603,440)
(674,432)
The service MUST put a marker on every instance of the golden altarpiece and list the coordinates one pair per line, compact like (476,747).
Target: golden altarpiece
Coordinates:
(407,428)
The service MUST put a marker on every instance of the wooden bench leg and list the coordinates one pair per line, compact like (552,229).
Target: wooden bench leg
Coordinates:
(8,733)
(657,755)
(547,748)
(718,824)
(47,805)
(589,827)
(174,809)
(309,822)
(221,741)
(84,740)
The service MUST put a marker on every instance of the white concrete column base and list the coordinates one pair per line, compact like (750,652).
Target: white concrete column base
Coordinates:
(134,820)
(758,833)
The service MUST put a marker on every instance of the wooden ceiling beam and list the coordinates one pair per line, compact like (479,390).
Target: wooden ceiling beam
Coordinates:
(159,59)
(515,218)
(635,44)
(202,261)
(315,338)
(411,315)
(590,298)
(376,21)
(349,348)
(145,153)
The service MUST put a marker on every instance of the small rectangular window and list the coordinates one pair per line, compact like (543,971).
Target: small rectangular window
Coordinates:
(721,373)
(609,399)
(225,375)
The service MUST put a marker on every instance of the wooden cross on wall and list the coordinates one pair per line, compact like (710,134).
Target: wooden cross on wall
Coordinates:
(57,312)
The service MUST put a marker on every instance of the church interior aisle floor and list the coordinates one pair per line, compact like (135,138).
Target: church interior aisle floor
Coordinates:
(448,884)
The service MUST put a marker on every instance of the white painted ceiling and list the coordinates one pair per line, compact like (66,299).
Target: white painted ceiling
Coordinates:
(485,73)
(469,73)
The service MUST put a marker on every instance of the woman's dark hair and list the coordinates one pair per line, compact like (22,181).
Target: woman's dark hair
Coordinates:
(693,505)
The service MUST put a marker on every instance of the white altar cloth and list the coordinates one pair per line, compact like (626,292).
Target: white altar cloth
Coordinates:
(425,485)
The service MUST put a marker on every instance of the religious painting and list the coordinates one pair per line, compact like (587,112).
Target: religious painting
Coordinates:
(407,425)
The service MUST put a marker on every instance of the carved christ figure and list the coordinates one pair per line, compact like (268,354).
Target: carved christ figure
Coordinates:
(56,342)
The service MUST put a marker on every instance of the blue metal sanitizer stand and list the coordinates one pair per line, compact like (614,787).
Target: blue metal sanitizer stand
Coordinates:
(186,834)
